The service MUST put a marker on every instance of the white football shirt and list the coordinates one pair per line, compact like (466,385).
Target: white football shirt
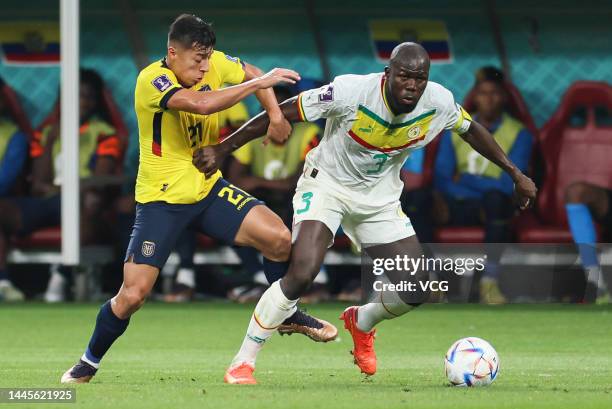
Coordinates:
(364,144)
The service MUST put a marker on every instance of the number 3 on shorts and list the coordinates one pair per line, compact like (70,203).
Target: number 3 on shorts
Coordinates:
(306,199)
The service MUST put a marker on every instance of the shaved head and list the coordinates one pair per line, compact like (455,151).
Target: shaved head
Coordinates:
(411,56)
(406,77)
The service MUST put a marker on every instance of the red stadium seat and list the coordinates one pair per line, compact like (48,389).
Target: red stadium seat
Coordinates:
(48,237)
(518,109)
(571,154)
(461,234)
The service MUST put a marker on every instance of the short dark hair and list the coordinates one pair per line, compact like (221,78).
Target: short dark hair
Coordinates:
(490,74)
(95,81)
(189,31)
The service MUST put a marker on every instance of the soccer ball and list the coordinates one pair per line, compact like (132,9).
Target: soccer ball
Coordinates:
(471,362)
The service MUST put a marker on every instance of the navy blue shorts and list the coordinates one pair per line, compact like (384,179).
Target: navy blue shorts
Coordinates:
(158,225)
(38,212)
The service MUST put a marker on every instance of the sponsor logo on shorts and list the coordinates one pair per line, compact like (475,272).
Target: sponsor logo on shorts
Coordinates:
(162,83)
(148,248)
(245,201)
(327,94)
(414,132)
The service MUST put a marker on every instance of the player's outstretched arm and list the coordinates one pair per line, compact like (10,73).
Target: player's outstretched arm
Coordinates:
(206,103)
(279,128)
(209,158)
(483,142)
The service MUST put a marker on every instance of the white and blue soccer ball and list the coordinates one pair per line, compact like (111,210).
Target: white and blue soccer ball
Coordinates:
(471,362)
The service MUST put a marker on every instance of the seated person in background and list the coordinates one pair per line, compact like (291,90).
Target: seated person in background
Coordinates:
(99,151)
(470,190)
(586,204)
(271,172)
(13,154)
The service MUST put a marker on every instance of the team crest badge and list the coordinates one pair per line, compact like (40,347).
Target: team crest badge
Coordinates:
(162,83)
(148,248)
(414,132)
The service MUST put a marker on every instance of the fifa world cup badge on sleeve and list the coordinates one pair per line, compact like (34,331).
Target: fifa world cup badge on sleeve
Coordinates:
(162,83)
(327,94)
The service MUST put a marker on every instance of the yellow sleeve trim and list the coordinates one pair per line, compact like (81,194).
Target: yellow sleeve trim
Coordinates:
(464,115)
(301,108)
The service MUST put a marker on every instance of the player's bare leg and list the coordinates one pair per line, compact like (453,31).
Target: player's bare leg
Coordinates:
(360,321)
(113,319)
(264,230)
(279,301)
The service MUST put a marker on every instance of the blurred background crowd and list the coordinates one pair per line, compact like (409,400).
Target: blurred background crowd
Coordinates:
(540,85)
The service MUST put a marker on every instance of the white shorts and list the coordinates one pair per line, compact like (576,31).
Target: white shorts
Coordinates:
(332,205)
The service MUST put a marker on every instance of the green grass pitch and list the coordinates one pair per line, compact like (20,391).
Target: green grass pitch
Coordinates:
(557,356)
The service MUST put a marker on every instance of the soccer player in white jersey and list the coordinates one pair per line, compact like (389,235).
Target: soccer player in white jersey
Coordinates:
(352,180)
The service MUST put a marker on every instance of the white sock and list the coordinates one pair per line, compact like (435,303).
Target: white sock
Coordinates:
(260,278)
(322,277)
(272,309)
(386,307)
(95,365)
(595,276)
(5,283)
(186,276)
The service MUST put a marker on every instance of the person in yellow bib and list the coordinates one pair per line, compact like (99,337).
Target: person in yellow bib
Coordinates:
(176,102)
(474,190)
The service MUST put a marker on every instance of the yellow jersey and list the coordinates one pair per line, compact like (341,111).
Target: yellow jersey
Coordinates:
(168,137)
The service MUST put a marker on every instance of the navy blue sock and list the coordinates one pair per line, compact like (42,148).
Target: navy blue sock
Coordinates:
(108,328)
(3,275)
(249,258)
(275,270)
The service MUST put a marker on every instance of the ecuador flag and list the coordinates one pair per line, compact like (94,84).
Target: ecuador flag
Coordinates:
(431,34)
(30,43)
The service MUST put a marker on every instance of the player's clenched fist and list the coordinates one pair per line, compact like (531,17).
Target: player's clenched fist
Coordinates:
(278,130)
(277,76)
(525,190)
(209,159)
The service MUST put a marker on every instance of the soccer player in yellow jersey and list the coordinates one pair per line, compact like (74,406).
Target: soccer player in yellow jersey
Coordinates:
(176,102)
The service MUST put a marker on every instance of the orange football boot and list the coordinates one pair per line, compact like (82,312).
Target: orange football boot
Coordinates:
(240,375)
(363,342)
